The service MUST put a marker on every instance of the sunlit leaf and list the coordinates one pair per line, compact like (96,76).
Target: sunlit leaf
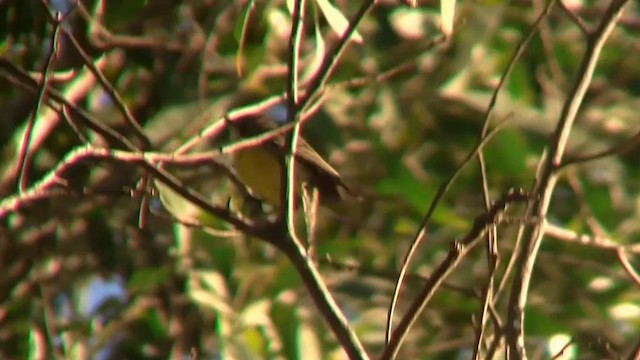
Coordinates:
(209,289)
(447,14)
(337,20)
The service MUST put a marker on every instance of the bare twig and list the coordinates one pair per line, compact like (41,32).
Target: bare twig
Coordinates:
(423,228)
(391,275)
(576,20)
(21,78)
(332,55)
(293,248)
(288,172)
(599,242)
(24,156)
(545,185)
(618,149)
(626,265)
(492,253)
(459,249)
(147,161)
(109,89)
(563,349)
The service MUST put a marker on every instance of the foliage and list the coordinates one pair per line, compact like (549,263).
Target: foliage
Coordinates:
(403,108)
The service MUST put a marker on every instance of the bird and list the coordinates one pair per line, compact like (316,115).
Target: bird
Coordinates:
(259,167)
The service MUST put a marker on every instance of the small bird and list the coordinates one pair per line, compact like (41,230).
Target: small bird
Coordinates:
(259,167)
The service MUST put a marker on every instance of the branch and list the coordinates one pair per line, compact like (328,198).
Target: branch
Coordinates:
(459,249)
(545,184)
(148,161)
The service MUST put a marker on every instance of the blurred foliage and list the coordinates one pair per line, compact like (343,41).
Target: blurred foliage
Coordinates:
(175,66)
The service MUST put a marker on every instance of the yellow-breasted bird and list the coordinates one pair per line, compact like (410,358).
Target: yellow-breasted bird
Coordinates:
(259,167)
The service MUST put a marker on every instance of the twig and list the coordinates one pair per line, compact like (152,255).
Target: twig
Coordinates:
(492,253)
(422,230)
(545,185)
(48,120)
(391,275)
(323,300)
(330,59)
(626,265)
(288,172)
(618,149)
(18,76)
(293,248)
(109,89)
(576,20)
(563,349)
(459,249)
(23,159)
(147,161)
(599,242)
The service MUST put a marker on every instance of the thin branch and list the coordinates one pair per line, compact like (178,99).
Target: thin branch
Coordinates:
(488,291)
(459,249)
(599,242)
(618,149)
(527,254)
(47,120)
(287,172)
(147,160)
(109,89)
(492,253)
(20,77)
(324,301)
(563,349)
(391,275)
(396,70)
(293,249)
(332,55)
(422,229)
(627,266)
(217,126)
(102,38)
(23,159)
(576,20)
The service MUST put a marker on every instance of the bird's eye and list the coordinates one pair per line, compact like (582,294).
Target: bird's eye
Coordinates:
(277,114)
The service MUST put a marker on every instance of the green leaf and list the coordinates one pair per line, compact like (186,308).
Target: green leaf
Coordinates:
(209,288)
(401,182)
(181,208)
(145,280)
(507,153)
(337,20)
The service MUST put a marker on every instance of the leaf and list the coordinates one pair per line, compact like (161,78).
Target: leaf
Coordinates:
(209,289)
(401,182)
(447,14)
(186,211)
(241,33)
(308,336)
(257,313)
(337,21)
(181,208)
(146,280)
(287,323)
(318,55)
